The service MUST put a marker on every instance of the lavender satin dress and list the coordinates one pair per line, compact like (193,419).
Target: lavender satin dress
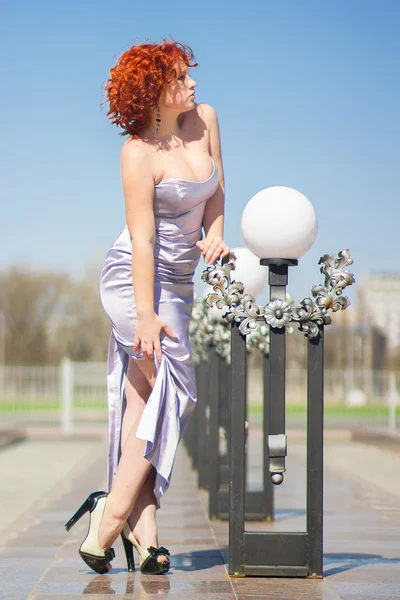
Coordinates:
(178,208)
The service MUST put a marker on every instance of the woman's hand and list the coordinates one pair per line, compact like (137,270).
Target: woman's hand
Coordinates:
(147,335)
(213,248)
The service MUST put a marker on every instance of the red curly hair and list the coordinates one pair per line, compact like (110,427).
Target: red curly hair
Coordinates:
(137,80)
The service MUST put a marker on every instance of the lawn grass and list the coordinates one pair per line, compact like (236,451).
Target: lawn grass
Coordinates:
(370,410)
(26,404)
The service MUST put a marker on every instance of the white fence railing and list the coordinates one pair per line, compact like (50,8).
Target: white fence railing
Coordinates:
(76,392)
(60,395)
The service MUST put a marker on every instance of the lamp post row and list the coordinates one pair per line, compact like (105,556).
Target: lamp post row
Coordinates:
(289,554)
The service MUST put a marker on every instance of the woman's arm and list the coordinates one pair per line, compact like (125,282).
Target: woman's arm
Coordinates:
(213,246)
(138,187)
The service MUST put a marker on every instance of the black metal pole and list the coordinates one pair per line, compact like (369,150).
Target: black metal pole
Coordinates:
(224,382)
(191,431)
(315,442)
(237,438)
(278,277)
(212,447)
(267,483)
(201,455)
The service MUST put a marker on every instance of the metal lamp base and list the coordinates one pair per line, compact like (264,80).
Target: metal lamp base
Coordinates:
(289,262)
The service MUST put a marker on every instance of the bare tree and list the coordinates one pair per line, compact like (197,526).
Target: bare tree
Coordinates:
(47,315)
(80,328)
(27,300)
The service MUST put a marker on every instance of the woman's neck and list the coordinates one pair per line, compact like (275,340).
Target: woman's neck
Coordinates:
(165,129)
(168,126)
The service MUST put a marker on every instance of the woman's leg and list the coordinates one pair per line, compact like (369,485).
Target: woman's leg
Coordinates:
(142,519)
(133,469)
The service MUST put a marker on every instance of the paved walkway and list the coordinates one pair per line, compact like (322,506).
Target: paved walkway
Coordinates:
(39,560)
(32,472)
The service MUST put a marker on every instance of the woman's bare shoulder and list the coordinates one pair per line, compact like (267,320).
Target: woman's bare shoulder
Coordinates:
(206,112)
(135,149)
(137,156)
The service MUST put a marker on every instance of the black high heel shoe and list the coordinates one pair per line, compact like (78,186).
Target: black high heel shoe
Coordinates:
(148,558)
(90,551)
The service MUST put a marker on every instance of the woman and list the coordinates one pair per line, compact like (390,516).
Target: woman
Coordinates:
(173,186)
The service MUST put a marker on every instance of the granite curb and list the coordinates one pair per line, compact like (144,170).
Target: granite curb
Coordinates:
(11,436)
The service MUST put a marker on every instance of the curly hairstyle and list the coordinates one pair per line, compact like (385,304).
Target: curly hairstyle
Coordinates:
(137,80)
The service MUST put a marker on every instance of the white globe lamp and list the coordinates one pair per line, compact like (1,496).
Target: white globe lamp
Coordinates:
(279,222)
(249,271)
(217,314)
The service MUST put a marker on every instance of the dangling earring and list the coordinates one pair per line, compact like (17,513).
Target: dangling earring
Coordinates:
(158,120)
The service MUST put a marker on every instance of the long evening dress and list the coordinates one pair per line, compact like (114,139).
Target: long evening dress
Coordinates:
(178,208)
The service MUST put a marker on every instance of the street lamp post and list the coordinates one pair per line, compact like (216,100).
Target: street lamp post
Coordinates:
(210,340)
(259,504)
(278,223)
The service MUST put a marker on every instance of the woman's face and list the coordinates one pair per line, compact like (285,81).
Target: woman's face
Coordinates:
(180,93)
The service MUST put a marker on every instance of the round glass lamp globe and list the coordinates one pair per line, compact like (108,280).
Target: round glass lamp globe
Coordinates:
(217,314)
(279,222)
(249,271)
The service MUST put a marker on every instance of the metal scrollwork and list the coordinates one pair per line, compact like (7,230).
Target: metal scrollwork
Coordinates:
(336,279)
(247,313)
(205,331)
(312,312)
(309,315)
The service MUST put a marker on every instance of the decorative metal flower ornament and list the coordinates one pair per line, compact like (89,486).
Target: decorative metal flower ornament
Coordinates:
(278,313)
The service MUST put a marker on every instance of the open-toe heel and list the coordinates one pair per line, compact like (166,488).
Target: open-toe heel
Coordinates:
(149,563)
(128,547)
(90,551)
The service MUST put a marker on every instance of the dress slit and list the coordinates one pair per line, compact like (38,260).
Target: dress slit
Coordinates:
(161,425)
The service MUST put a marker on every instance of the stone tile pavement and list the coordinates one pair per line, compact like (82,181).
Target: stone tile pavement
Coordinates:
(39,560)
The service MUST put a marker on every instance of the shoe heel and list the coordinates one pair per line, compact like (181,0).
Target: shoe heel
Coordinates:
(79,513)
(87,506)
(128,547)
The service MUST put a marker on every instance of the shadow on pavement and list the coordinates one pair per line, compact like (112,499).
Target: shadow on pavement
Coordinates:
(352,561)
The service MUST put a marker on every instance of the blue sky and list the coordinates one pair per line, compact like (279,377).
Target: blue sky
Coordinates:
(307,94)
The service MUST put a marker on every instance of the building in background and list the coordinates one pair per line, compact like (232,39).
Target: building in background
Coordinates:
(356,358)
(378,301)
